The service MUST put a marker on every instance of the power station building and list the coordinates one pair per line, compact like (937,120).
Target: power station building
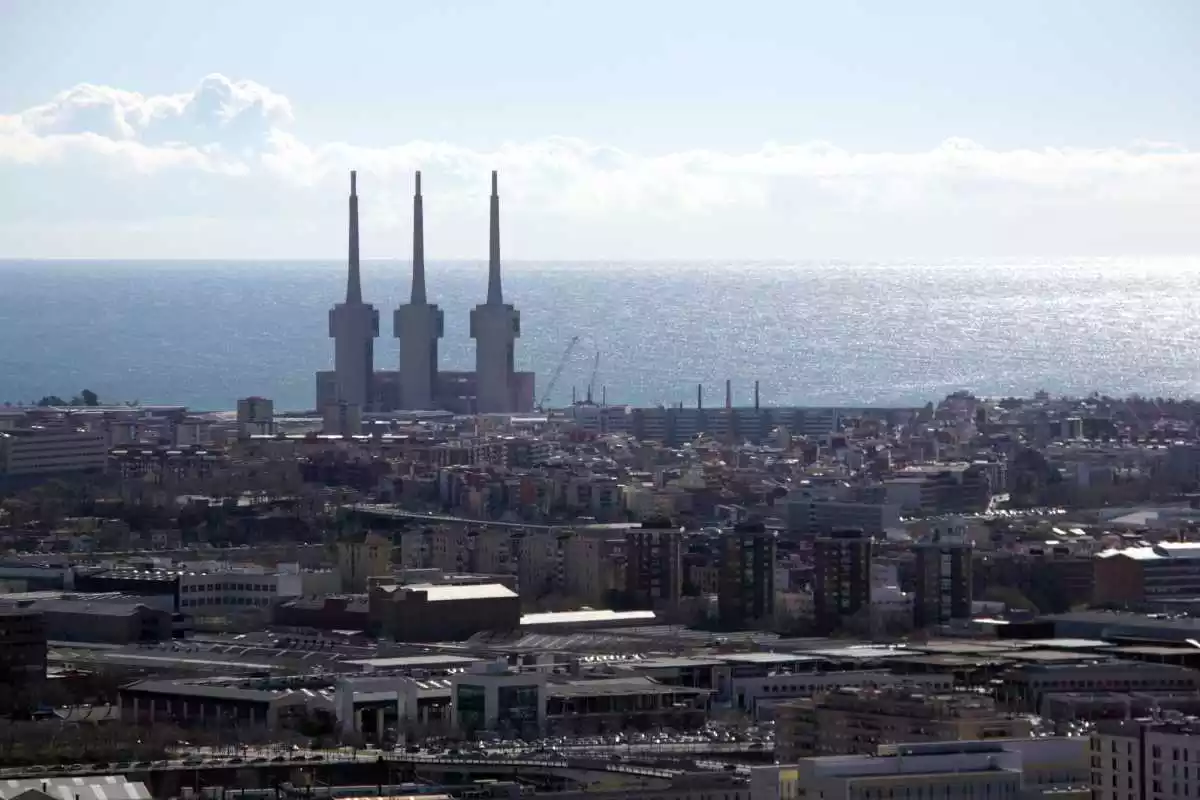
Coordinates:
(354,386)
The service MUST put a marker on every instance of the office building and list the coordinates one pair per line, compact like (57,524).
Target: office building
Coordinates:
(353,325)
(51,450)
(943,580)
(842,577)
(418,325)
(495,327)
(654,565)
(857,720)
(812,515)
(746,583)
(495,698)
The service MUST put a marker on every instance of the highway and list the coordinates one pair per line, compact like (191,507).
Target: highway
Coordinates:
(208,758)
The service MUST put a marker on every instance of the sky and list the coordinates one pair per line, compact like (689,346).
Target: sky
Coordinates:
(675,129)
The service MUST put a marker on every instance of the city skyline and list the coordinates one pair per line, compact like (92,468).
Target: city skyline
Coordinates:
(781,133)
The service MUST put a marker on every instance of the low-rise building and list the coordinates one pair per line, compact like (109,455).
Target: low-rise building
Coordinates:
(431,613)
(854,720)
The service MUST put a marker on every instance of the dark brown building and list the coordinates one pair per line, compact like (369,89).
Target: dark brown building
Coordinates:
(842,577)
(944,581)
(22,655)
(746,586)
(433,613)
(326,613)
(654,565)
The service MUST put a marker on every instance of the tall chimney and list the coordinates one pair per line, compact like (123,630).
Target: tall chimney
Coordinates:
(699,395)
(756,395)
(728,393)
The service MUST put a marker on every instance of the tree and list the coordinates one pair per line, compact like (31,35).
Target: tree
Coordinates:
(89,398)
(51,400)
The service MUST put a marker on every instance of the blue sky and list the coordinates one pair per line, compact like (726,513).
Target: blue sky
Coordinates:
(622,129)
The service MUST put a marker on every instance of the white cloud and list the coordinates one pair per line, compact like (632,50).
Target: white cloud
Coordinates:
(569,197)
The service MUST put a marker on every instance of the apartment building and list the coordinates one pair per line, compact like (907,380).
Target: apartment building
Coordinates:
(842,573)
(654,564)
(944,580)
(746,594)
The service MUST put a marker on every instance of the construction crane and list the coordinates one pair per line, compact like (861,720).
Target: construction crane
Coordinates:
(562,363)
(592,379)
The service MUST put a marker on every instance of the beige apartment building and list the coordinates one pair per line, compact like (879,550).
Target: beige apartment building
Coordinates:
(857,720)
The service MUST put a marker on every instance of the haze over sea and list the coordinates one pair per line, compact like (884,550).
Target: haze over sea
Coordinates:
(203,333)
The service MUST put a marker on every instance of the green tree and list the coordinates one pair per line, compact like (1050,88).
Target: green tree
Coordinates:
(51,400)
(89,398)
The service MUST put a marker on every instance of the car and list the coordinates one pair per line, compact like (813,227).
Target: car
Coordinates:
(193,762)
(235,760)
(317,757)
(413,748)
(258,760)
(278,759)
(300,758)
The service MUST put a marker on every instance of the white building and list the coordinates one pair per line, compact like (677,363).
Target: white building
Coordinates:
(221,588)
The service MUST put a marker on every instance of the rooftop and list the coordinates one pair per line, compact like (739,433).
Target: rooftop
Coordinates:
(91,787)
(437,593)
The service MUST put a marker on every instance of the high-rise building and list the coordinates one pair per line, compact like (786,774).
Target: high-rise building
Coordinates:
(353,325)
(842,577)
(654,564)
(746,588)
(255,416)
(418,325)
(495,327)
(943,580)
(22,656)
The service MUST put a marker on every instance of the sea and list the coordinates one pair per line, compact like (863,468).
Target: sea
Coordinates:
(203,333)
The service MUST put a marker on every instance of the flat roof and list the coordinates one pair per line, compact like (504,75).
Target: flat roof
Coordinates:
(432,659)
(617,686)
(1068,644)
(90,787)
(868,652)
(767,658)
(676,662)
(587,615)
(436,593)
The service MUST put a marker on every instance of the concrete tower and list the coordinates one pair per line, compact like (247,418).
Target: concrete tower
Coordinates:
(495,328)
(353,325)
(418,325)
